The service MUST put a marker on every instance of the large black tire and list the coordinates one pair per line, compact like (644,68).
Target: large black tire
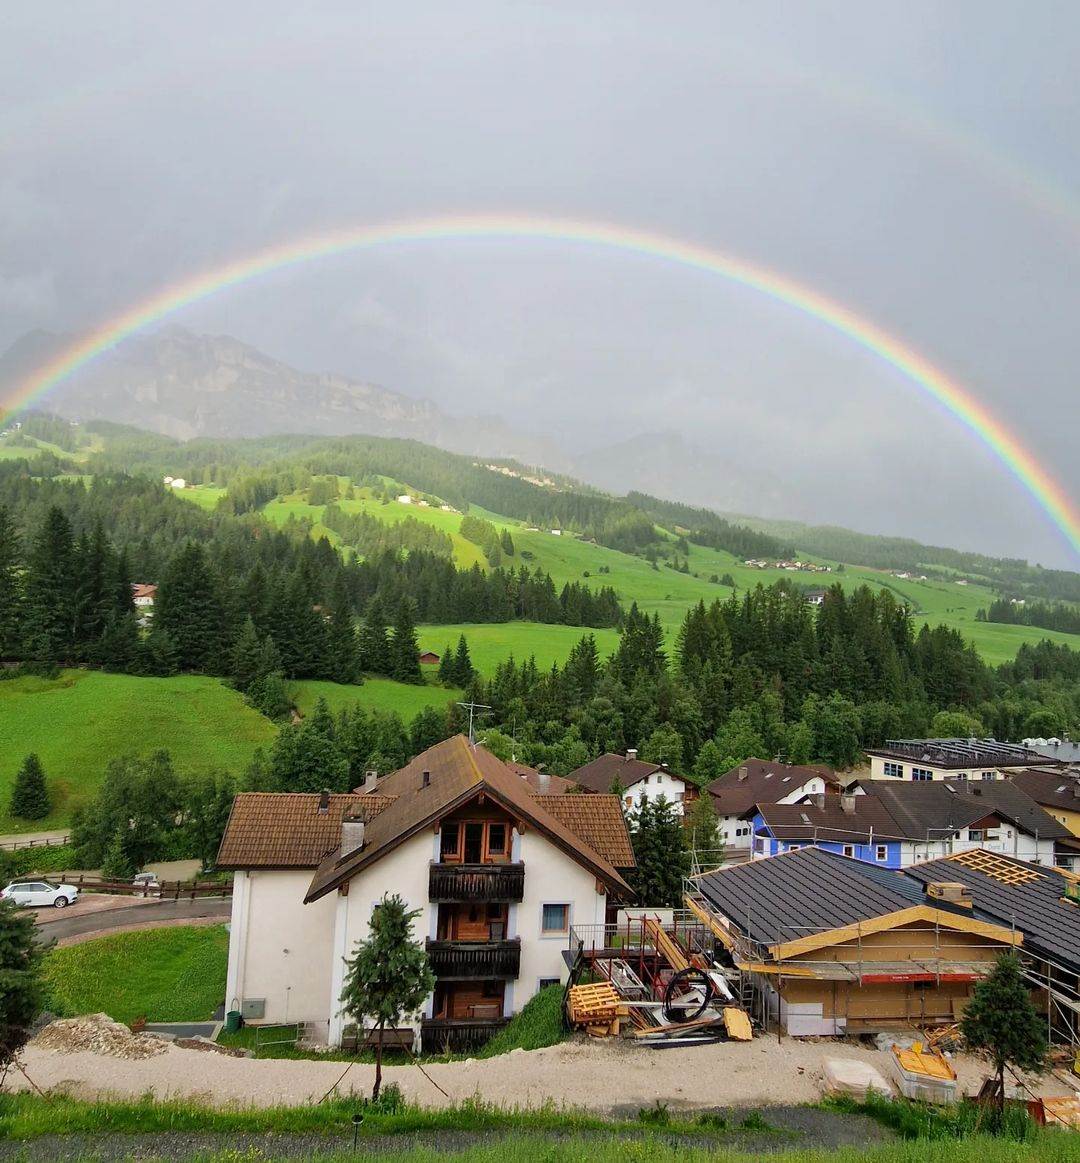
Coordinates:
(61,902)
(683,980)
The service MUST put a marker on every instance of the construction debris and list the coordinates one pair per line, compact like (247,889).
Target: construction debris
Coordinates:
(595,1008)
(98,1034)
(851,1077)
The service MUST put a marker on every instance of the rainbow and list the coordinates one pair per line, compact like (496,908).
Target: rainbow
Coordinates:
(955,399)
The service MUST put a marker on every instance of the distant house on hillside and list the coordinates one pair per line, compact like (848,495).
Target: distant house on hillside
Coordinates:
(816,597)
(923,760)
(143,594)
(638,779)
(429,658)
(404,499)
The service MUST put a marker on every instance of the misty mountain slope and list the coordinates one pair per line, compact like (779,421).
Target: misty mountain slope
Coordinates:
(185,385)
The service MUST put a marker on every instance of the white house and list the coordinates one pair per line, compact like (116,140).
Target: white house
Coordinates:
(143,594)
(499,873)
(924,760)
(761,781)
(638,780)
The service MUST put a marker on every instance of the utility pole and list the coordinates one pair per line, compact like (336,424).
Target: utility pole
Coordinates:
(473,708)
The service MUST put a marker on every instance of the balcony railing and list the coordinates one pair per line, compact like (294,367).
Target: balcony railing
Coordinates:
(471,959)
(482,883)
(456,1034)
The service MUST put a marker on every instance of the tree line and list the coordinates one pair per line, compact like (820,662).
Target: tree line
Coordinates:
(1044,615)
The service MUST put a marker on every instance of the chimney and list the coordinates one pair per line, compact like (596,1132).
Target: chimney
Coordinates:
(663,766)
(352,835)
(324,800)
(847,803)
(370,779)
(744,774)
(545,781)
(631,753)
(819,799)
(425,778)
(951,892)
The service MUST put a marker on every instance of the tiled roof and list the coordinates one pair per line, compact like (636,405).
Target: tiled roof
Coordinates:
(1052,789)
(1036,904)
(765,783)
(600,774)
(458,771)
(287,830)
(869,818)
(542,783)
(598,820)
(795,894)
(933,807)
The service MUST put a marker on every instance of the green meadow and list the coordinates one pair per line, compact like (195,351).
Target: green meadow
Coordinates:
(375,694)
(80,721)
(492,642)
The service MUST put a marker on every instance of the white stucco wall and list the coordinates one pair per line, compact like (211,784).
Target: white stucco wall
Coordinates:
(661,783)
(551,877)
(279,948)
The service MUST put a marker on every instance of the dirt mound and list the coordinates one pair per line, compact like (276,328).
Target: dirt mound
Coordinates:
(99,1034)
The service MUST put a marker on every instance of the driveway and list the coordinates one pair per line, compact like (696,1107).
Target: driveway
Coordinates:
(58,924)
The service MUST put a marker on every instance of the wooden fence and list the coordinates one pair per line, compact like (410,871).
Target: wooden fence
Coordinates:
(41,842)
(170,890)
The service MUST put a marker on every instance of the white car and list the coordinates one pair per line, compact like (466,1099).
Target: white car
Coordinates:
(37,892)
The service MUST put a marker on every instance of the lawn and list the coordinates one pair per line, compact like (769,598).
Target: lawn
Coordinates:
(79,721)
(205,496)
(380,694)
(492,642)
(174,974)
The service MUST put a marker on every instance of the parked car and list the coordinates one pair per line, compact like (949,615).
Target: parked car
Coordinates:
(37,892)
(145,880)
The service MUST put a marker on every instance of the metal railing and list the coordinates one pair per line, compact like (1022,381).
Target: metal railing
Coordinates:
(450,1035)
(481,883)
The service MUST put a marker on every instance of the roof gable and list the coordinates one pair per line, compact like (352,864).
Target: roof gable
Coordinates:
(601,773)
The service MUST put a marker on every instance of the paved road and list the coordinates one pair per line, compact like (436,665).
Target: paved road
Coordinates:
(71,924)
(23,839)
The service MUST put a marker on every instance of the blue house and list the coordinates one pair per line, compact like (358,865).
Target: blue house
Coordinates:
(857,826)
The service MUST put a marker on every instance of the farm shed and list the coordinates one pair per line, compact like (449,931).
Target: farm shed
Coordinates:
(828,945)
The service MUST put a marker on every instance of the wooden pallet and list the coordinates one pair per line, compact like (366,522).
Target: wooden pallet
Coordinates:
(593,1005)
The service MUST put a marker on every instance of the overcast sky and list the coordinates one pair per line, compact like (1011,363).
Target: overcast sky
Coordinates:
(917,162)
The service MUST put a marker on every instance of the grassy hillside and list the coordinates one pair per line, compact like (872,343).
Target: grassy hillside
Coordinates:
(491,643)
(81,720)
(377,694)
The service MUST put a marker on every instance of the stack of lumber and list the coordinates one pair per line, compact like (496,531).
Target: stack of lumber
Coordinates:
(597,1009)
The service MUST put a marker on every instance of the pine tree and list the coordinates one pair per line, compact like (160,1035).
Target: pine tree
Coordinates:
(374,642)
(703,827)
(447,673)
(506,542)
(94,593)
(123,597)
(30,796)
(463,667)
(50,586)
(343,650)
(404,651)
(1001,1019)
(23,993)
(10,587)
(117,863)
(388,977)
(189,610)
(245,658)
(660,852)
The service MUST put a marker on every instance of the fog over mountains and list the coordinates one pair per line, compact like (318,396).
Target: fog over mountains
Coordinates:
(186,385)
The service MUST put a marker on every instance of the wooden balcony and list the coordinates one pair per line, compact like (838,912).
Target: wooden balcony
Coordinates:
(463,960)
(438,1035)
(479,883)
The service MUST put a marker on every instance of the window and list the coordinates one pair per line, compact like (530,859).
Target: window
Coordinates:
(881,852)
(474,841)
(849,849)
(450,837)
(976,834)
(795,847)
(555,919)
(962,776)
(987,775)
(497,839)
(921,774)
(894,769)
(544,982)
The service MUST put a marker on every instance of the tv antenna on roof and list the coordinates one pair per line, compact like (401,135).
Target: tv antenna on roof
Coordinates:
(474,709)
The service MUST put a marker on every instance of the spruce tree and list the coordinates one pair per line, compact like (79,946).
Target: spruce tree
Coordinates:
(94,593)
(404,650)
(703,828)
(30,796)
(343,650)
(374,643)
(50,587)
(463,667)
(23,992)
(189,610)
(447,673)
(663,864)
(10,587)
(388,977)
(1001,1019)
(123,597)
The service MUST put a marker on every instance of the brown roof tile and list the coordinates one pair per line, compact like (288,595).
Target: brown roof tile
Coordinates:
(598,820)
(287,830)
(766,782)
(600,774)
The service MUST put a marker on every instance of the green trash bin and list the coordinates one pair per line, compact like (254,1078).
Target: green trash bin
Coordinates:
(233,1021)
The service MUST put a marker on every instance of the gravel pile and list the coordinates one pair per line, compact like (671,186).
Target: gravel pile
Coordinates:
(99,1034)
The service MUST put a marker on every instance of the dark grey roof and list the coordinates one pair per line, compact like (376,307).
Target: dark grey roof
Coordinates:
(601,773)
(1063,751)
(959,752)
(1050,924)
(933,808)
(868,820)
(1053,789)
(795,894)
